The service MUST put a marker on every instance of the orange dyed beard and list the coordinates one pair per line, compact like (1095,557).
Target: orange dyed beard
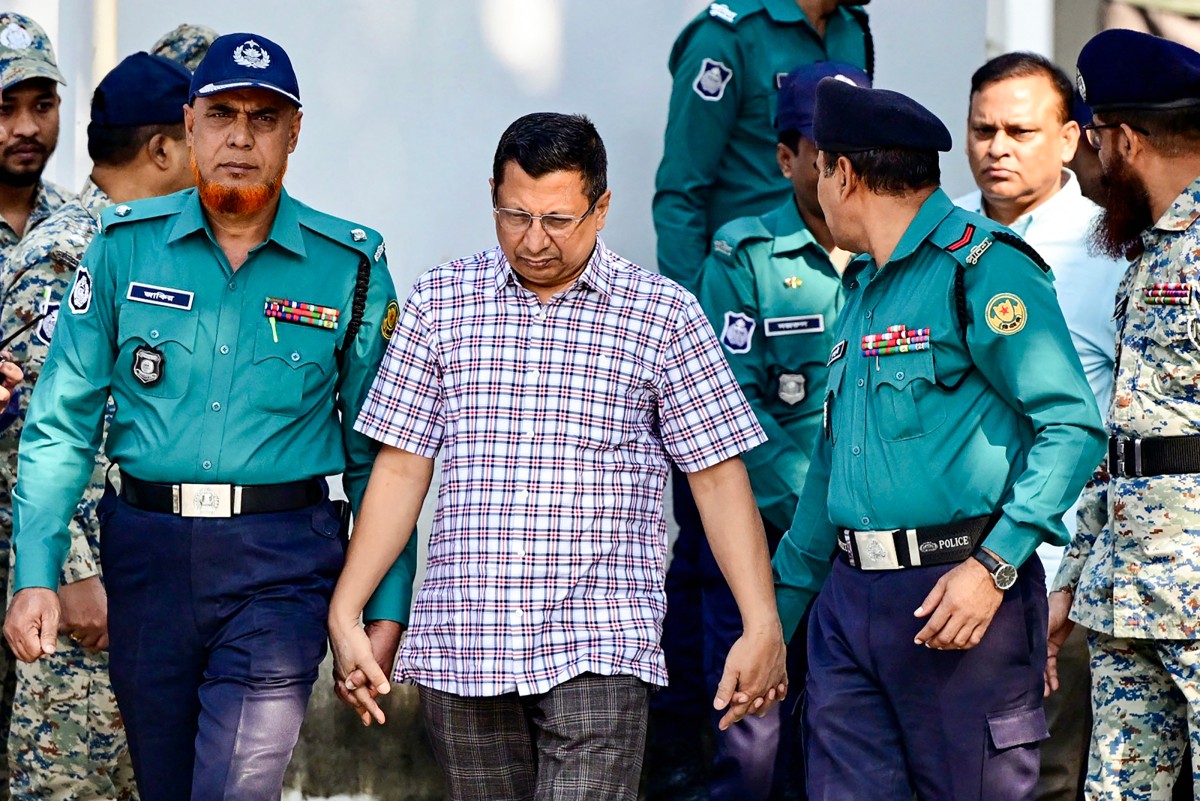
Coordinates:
(236,200)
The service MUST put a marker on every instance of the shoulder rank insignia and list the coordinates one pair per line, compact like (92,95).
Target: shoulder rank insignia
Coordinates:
(358,235)
(122,210)
(711,80)
(792,282)
(1006,314)
(963,240)
(723,247)
(379,251)
(722,12)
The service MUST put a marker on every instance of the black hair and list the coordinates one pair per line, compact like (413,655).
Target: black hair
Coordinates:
(791,140)
(1027,65)
(547,142)
(114,145)
(891,171)
(1172,131)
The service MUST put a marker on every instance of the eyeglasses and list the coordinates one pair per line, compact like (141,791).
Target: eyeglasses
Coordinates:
(558,226)
(1092,131)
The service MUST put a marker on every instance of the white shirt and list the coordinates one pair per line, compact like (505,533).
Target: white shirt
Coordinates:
(1087,287)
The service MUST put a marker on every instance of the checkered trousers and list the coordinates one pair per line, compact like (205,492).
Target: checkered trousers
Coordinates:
(556,425)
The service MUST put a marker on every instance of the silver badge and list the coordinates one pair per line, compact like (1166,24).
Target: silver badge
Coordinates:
(206,502)
(251,54)
(1081,86)
(379,252)
(358,235)
(791,388)
(16,37)
(147,365)
(122,211)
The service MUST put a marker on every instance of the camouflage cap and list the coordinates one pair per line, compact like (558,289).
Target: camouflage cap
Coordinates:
(25,51)
(185,44)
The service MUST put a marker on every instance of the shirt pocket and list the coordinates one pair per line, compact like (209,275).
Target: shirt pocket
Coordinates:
(1170,365)
(170,332)
(907,400)
(291,363)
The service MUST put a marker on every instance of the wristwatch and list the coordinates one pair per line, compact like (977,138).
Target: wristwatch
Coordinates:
(1004,574)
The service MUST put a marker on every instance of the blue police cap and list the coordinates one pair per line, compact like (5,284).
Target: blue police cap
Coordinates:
(245,61)
(142,90)
(1126,69)
(850,118)
(798,93)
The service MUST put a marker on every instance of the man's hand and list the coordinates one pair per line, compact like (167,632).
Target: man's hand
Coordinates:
(85,613)
(755,676)
(1057,632)
(384,636)
(352,652)
(960,608)
(31,626)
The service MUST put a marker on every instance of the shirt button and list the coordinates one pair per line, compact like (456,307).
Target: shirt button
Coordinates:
(856,450)
(216,407)
(295,357)
(207,465)
(224,350)
(519,550)
(532,375)
(861,382)
(899,375)
(522,495)
(233,284)
(854,285)
(154,333)
(516,616)
(866,521)
(869,315)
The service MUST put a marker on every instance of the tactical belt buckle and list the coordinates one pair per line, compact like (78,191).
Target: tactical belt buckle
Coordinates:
(1122,442)
(877,549)
(206,500)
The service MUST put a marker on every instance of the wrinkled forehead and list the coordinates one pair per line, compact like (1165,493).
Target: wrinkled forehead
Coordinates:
(249,99)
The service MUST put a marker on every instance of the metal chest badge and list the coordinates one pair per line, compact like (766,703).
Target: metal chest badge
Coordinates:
(792,388)
(148,365)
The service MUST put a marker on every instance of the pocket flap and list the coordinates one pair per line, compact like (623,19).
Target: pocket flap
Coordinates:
(901,369)
(1017,727)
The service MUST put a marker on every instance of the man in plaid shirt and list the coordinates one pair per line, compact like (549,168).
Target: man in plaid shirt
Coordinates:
(558,381)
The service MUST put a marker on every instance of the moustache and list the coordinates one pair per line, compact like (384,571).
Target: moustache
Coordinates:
(26,144)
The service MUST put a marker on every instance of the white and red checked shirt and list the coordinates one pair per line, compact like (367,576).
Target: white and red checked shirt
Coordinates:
(556,426)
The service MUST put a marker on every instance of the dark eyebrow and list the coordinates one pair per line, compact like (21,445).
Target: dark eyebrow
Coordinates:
(225,107)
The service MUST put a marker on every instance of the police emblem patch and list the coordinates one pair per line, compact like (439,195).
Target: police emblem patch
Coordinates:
(1006,314)
(391,316)
(80,299)
(148,365)
(15,37)
(710,83)
(251,54)
(1081,86)
(839,350)
(738,332)
(792,388)
(45,329)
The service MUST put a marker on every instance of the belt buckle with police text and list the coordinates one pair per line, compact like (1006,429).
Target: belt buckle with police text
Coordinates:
(204,500)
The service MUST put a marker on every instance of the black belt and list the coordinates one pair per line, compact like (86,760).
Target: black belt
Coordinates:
(220,500)
(1130,457)
(914,547)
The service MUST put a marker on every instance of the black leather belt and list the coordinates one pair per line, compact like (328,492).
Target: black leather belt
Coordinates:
(1131,457)
(914,547)
(219,500)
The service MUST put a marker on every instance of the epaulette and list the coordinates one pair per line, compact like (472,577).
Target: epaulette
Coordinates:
(366,241)
(731,12)
(1014,241)
(733,234)
(145,209)
(965,237)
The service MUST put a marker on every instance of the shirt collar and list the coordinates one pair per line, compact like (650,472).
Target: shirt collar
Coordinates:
(285,229)
(597,275)
(797,236)
(1183,212)
(935,209)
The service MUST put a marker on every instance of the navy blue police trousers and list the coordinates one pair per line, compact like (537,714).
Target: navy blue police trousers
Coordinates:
(217,629)
(886,719)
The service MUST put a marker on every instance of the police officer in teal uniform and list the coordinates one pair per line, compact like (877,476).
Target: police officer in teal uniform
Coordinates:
(237,331)
(958,428)
(772,289)
(719,153)
(718,164)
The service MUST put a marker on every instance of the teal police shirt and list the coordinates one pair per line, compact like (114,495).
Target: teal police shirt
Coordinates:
(217,394)
(944,424)
(719,157)
(774,296)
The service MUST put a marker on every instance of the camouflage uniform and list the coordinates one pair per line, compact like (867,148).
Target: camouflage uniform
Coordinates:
(1136,575)
(186,44)
(66,740)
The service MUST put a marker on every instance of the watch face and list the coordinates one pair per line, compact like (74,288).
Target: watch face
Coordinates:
(1005,577)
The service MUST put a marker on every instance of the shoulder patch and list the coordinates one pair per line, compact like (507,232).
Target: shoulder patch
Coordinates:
(391,317)
(1014,241)
(1006,314)
(737,335)
(80,299)
(712,79)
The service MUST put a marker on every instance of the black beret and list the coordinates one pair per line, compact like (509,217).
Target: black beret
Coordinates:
(142,90)
(1126,69)
(850,119)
